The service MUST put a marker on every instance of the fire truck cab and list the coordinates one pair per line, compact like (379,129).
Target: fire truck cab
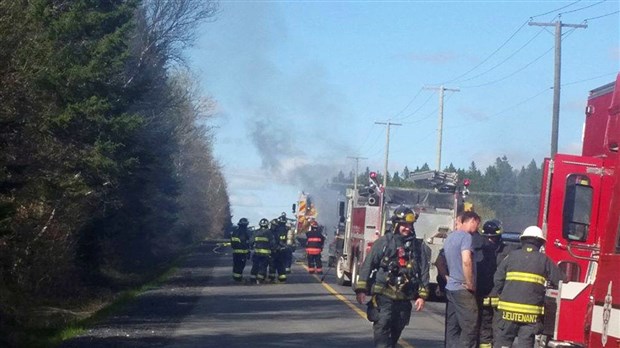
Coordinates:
(579,212)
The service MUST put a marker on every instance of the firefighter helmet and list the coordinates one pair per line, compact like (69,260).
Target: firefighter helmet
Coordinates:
(314,225)
(263,223)
(533,232)
(492,228)
(403,214)
(243,221)
(282,218)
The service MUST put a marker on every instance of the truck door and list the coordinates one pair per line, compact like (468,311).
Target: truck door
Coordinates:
(576,189)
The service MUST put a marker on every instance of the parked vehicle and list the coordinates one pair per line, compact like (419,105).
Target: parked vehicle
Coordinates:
(580,213)
(365,216)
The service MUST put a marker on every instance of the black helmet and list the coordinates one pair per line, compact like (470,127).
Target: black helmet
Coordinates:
(263,223)
(403,214)
(282,218)
(492,228)
(243,221)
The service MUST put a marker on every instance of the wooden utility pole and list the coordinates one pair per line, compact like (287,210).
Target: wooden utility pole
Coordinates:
(440,126)
(387,148)
(357,161)
(555,118)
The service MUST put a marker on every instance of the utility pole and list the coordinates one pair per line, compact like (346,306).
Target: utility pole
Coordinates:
(357,162)
(387,148)
(441,89)
(555,119)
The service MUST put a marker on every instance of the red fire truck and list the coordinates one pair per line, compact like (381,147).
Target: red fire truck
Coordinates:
(580,213)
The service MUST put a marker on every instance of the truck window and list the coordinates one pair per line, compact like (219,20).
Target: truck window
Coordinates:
(577,208)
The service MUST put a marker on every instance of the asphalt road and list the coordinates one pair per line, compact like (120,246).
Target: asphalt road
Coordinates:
(201,306)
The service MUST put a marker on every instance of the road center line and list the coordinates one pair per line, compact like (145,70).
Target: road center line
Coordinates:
(360,312)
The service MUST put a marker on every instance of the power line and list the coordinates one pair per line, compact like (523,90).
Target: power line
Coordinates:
(408,104)
(588,79)
(507,58)
(513,73)
(583,8)
(557,9)
(456,79)
(605,15)
(416,110)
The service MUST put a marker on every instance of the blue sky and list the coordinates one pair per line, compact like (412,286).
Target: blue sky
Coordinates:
(298,86)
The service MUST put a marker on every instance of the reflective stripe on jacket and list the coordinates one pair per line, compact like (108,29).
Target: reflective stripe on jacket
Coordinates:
(262,242)
(240,241)
(520,283)
(416,269)
(314,243)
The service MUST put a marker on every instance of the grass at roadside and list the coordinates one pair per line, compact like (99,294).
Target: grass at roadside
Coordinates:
(52,338)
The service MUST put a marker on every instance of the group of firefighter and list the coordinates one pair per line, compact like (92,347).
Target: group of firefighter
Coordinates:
(271,248)
(495,291)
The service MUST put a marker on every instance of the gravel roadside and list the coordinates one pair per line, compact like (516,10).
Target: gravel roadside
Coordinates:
(151,318)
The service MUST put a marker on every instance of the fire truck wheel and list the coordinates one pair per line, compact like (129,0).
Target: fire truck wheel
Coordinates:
(341,276)
(354,274)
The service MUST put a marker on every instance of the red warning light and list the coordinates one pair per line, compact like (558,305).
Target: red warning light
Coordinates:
(373,175)
(466,182)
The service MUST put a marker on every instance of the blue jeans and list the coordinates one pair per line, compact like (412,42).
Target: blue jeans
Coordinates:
(461,319)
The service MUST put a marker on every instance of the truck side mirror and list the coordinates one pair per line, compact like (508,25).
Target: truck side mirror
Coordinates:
(294,207)
(341,211)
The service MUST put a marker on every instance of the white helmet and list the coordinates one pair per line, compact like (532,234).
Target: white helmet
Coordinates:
(533,231)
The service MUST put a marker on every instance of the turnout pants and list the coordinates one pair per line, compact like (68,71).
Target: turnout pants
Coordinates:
(314,263)
(506,331)
(239,260)
(461,319)
(278,265)
(393,317)
(259,267)
(486,324)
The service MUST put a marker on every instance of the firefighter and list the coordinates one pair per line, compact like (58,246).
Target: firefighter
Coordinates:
(240,243)
(491,251)
(400,276)
(271,268)
(280,250)
(261,243)
(314,247)
(520,284)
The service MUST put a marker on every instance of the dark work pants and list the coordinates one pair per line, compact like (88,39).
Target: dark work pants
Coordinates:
(259,266)
(238,265)
(393,317)
(314,263)
(506,331)
(461,319)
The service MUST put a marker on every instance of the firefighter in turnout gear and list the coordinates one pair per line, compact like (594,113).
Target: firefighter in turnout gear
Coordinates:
(240,243)
(279,254)
(314,247)
(395,273)
(491,250)
(520,284)
(261,243)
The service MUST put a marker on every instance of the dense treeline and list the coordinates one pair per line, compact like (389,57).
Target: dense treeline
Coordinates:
(106,168)
(499,192)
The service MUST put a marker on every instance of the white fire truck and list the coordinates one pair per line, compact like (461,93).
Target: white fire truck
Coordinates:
(365,216)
